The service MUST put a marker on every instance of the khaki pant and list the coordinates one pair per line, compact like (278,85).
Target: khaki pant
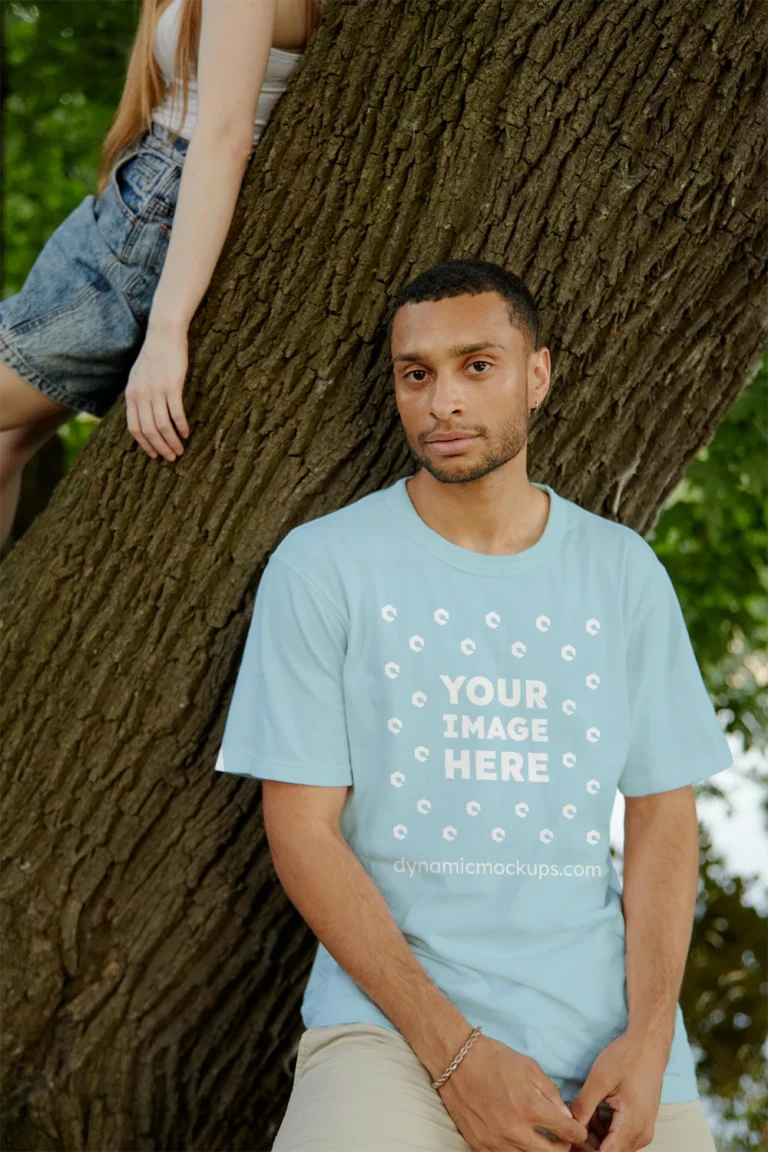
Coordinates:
(369,1092)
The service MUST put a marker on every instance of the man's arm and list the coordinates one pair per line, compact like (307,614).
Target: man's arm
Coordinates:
(661,866)
(340,902)
(496,1097)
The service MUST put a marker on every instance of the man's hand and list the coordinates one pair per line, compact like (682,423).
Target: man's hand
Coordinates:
(628,1076)
(500,1099)
(153,393)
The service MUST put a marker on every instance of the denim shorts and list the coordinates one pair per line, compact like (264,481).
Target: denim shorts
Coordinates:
(76,327)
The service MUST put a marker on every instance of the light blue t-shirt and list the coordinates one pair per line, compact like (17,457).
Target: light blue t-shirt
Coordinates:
(484,709)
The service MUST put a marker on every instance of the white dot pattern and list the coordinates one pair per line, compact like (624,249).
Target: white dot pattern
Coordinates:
(518,649)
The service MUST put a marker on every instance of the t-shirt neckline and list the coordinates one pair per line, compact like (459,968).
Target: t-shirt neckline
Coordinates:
(479,562)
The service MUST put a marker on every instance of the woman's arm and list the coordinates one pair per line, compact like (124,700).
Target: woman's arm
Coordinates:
(235,39)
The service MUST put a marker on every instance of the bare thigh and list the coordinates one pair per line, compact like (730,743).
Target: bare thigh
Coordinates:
(21,404)
(27,419)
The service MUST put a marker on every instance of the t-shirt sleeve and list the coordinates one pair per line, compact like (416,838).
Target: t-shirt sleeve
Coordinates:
(286,720)
(675,736)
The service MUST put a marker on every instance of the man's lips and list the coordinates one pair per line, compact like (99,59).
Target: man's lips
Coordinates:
(452,446)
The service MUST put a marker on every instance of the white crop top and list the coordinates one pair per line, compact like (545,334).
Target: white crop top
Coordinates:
(280,64)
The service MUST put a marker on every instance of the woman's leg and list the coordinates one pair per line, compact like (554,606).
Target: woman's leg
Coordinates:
(27,419)
(22,404)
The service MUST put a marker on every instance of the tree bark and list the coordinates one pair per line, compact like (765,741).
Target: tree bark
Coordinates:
(613,155)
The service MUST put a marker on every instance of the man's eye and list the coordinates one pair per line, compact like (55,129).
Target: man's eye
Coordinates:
(422,370)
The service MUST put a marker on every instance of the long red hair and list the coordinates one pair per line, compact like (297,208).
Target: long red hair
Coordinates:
(145,85)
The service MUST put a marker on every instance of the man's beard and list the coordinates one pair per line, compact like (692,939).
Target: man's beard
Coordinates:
(510,441)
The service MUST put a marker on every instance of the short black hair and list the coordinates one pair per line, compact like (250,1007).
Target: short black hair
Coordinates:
(462,277)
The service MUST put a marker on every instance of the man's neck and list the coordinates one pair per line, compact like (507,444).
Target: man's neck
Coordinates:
(485,515)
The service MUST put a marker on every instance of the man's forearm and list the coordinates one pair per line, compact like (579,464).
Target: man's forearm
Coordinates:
(328,885)
(661,863)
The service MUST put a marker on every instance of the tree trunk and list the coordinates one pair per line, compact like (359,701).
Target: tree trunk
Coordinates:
(612,154)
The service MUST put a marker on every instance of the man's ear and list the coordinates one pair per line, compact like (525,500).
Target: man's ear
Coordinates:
(539,369)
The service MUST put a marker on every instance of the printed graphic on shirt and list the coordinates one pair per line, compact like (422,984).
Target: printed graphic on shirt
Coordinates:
(518,744)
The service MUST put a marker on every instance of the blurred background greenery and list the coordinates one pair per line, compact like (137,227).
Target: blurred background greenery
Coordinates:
(63,65)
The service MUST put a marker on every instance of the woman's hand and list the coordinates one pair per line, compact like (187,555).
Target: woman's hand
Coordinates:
(153,392)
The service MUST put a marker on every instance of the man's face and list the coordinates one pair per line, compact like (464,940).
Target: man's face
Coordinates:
(441,386)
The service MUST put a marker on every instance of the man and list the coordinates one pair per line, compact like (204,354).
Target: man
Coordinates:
(442,687)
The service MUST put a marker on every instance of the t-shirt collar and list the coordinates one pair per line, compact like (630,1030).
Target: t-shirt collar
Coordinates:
(543,551)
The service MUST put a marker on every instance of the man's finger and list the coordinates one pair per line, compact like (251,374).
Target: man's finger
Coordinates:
(586,1100)
(623,1132)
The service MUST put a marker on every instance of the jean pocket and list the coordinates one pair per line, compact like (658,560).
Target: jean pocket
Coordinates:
(125,189)
(116,184)
(145,185)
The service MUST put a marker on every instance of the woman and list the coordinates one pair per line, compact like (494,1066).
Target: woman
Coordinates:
(108,302)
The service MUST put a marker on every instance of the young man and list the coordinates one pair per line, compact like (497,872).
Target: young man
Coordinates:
(443,685)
